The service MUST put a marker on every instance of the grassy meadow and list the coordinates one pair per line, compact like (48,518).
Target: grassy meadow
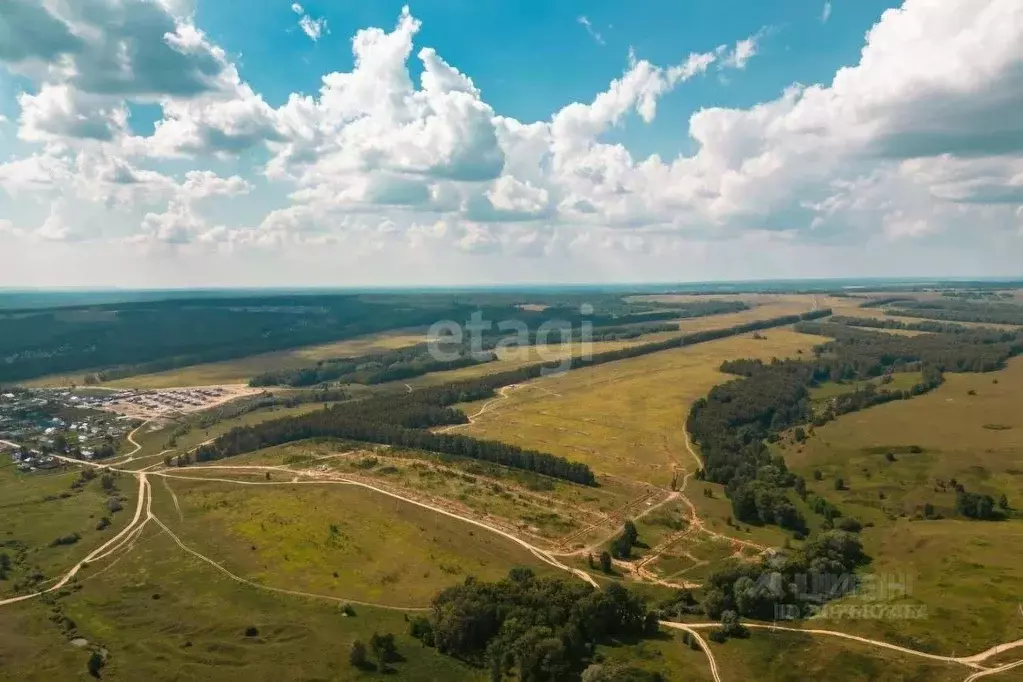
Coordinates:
(967,573)
(162,613)
(625,418)
(333,539)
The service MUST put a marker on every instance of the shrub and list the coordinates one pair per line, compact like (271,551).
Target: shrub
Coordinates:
(95,664)
(66,540)
(252,631)
(357,655)
(849,524)
(114,505)
(103,523)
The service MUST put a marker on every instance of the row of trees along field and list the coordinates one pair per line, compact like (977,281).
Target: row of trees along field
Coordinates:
(403,420)
(419,359)
(922,326)
(733,424)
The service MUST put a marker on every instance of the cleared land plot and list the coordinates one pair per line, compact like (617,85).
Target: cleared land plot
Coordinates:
(37,509)
(625,418)
(694,557)
(336,539)
(967,573)
(240,370)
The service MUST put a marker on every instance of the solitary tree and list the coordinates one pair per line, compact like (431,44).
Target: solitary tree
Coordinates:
(730,624)
(605,562)
(1003,502)
(631,532)
(5,565)
(839,483)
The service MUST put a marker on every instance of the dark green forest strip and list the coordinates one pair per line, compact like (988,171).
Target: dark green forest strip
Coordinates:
(961,311)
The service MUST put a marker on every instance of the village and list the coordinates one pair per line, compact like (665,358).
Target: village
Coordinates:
(88,424)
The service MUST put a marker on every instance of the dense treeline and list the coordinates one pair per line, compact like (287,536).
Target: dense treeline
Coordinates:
(923,326)
(961,311)
(861,354)
(335,422)
(887,300)
(736,419)
(541,629)
(133,338)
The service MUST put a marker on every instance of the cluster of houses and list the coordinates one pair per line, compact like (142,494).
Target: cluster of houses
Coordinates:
(32,433)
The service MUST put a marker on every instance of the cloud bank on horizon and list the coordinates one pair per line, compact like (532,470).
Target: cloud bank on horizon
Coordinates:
(909,161)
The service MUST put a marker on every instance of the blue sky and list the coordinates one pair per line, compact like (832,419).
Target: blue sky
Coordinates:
(175,142)
(508,48)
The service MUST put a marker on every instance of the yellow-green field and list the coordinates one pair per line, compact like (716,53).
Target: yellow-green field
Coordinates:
(240,370)
(335,539)
(625,418)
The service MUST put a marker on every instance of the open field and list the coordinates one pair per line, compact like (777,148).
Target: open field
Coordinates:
(159,610)
(241,369)
(335,540)
(38,508)
(625,418)
(967,573)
